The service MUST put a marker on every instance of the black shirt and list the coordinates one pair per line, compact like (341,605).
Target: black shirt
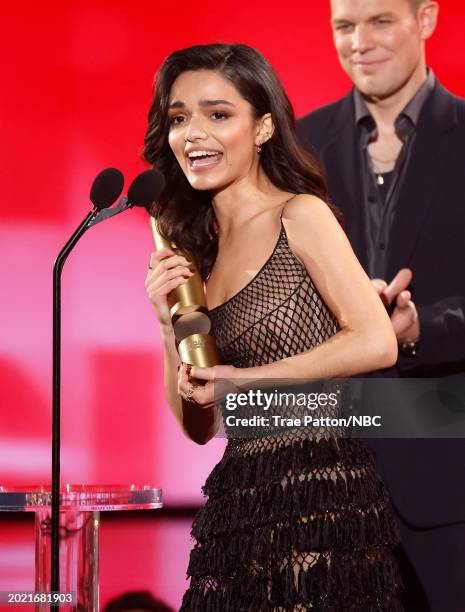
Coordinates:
(381,191)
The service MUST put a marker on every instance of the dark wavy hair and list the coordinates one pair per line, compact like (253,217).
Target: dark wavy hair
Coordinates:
(185,215)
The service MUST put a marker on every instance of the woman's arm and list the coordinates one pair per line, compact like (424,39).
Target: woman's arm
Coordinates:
(366,340)
(167,272)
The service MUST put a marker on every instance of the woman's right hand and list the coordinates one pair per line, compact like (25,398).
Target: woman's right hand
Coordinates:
(167,270)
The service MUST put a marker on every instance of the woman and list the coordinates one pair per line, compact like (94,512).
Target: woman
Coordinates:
(292,522)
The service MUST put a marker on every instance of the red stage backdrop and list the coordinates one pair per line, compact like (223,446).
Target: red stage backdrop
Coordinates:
(75,90)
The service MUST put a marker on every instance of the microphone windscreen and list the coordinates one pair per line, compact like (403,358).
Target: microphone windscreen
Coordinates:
(146,188)
(106,188)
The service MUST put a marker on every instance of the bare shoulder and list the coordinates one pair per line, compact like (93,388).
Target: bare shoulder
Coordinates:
(305,208)
(310,216)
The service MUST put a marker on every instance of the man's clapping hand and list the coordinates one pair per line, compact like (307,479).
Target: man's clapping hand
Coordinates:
(404,317)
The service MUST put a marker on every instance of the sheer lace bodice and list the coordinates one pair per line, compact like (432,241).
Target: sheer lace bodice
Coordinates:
(279,313)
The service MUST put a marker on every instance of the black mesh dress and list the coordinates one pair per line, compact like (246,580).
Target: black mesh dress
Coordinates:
(292,522)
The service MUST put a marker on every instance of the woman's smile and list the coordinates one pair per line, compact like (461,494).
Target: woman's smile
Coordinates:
(203,160)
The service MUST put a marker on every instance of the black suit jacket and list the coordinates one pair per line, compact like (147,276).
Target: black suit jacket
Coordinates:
(426,477)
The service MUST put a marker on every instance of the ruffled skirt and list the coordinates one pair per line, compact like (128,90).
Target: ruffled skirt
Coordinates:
(291,526)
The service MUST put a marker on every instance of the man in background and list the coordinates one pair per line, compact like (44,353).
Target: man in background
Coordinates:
(393,152)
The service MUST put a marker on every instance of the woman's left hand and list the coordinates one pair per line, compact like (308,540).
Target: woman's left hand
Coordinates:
(203,394)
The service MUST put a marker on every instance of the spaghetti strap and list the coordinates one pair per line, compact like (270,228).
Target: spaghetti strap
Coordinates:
(284,205)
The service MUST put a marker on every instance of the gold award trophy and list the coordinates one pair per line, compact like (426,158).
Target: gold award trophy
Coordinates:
(189,314)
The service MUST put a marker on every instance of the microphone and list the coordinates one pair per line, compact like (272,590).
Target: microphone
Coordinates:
(144,189)
(188,306)
(106,188)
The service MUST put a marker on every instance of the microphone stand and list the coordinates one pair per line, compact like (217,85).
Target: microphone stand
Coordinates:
(55,521)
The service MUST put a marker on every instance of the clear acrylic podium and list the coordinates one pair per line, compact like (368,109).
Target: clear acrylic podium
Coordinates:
(80,507)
